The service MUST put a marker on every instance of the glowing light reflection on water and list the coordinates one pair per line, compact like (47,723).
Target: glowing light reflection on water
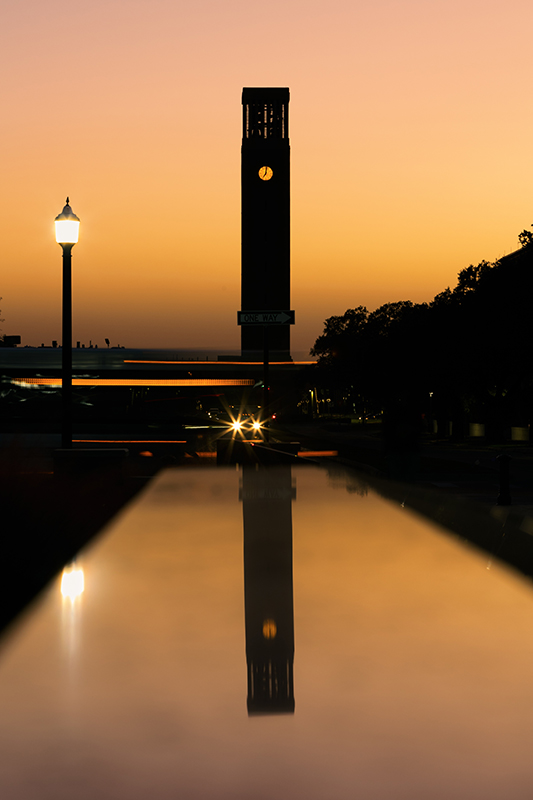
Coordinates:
(72,582)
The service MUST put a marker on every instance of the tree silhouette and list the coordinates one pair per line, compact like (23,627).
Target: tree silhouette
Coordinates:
(525,238)
(470,349)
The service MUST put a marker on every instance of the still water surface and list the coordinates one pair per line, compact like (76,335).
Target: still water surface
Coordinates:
(267,634)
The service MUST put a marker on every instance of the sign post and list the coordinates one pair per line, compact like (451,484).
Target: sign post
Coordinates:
(265,318)
(265,380)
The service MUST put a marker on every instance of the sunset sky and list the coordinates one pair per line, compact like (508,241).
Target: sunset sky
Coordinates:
(410,126)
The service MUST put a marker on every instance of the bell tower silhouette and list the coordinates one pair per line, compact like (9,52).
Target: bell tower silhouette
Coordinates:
(265,236)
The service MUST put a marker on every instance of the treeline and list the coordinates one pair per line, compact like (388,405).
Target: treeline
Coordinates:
(465,357)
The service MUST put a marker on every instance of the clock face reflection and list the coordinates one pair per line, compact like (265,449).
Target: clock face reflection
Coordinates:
(265,173)
(269,629)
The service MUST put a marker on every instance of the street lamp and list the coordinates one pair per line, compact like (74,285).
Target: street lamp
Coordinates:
(67,227)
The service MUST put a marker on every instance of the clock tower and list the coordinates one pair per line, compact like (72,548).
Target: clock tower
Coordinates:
(265,194)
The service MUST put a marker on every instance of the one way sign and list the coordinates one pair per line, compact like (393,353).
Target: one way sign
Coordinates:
(265,317)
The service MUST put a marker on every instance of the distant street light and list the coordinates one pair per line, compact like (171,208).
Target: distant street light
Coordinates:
(67,227)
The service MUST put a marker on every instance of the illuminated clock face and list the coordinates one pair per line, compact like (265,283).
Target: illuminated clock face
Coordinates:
(265,173)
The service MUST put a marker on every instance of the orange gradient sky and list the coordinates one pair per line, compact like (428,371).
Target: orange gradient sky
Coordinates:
(410,127)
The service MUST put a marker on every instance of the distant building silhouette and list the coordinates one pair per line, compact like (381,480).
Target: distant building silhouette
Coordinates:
(9,341)
(265,195)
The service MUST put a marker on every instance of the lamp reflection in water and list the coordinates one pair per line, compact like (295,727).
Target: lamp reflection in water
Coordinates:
(72,582)
(72,588)
(266,495)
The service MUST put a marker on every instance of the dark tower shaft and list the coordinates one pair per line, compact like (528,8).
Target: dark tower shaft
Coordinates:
(265,256)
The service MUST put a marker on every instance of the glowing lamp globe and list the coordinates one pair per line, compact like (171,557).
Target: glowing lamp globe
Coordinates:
(67,226)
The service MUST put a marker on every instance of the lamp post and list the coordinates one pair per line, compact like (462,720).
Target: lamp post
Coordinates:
(67,227)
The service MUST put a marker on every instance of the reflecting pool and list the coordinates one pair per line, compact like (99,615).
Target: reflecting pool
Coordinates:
(269,633)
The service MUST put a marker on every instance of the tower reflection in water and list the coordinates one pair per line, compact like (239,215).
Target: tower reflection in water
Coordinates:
(267,493)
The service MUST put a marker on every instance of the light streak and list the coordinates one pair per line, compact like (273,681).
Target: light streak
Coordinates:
(135,382)
(316,453)
(133,441)
(220,363)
